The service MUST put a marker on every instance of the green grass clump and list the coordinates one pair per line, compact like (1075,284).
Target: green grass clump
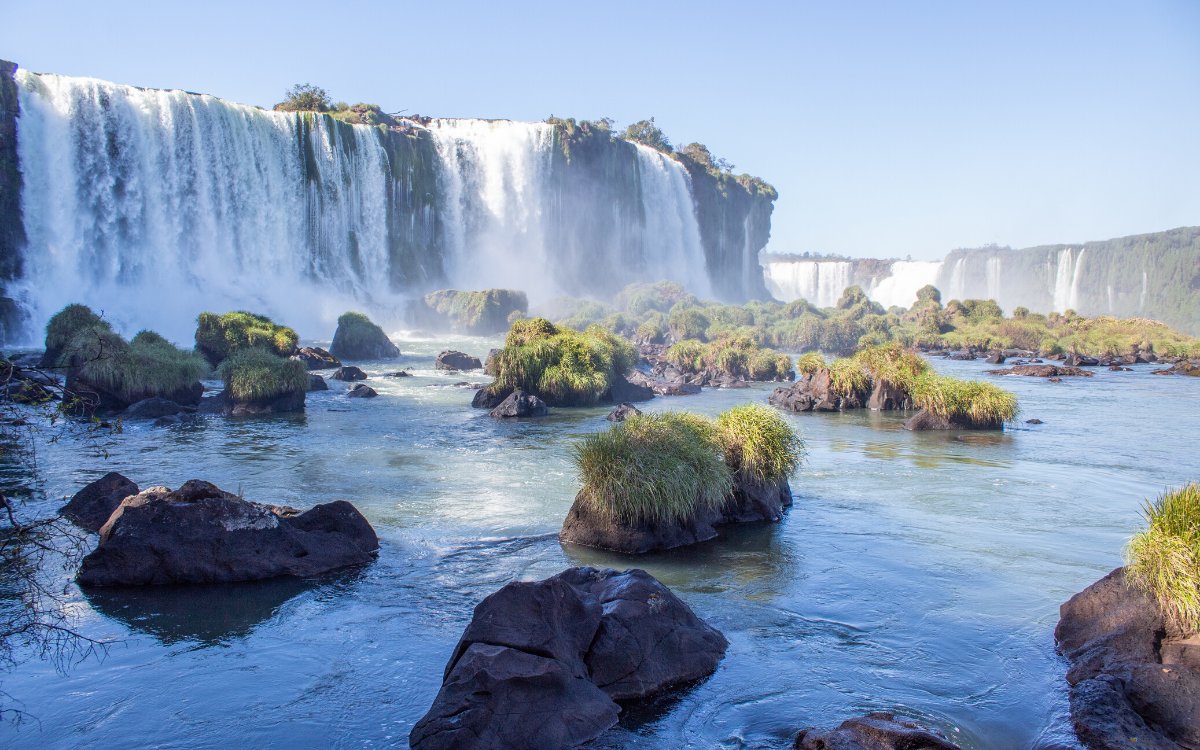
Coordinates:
(218,336)
(687,355)
(972,402)
(810,362)
(563,366)
(149,366)
(256,375)
(653,468)
(1164,560)
(892,363)
(847,378)
(759,443)
(768,365)
(63,326)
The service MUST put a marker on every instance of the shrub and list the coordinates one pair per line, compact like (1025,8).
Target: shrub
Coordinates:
(687,355)
(687,323)
(807,364)
(640,298)
(758,443)
(768,365)
(481,312)
(647,133)
(218,336)
(892,363)
(304,97)
(256,375)
(150,366)
(1164,560)
(653,468)
(846,378)
(63,326)
(971,402)
(562,366)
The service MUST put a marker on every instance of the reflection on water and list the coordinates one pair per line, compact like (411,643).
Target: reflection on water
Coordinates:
(916,573)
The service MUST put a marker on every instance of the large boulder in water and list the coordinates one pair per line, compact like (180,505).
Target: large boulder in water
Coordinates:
(455,360)
(542,663)
(814,391)
(1134,679)
(875,731)
(358,338)
(750,502)
(92,505)
(521,404)
(201,534)
(349,373)
(316,358)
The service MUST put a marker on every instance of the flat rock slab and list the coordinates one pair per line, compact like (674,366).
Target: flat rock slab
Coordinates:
(542,663)
(1042,371)
(875,731)
(455,360)
(201,534)
(92,505)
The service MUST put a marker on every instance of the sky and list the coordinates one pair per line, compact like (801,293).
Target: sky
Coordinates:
(890,129)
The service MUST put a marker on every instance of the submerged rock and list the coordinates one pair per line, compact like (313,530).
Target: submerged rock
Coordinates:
(151,408)
(349,373)
(201,534)
(623,412)
(925,420)
(316,358)
(749,502)
(454,360)
(92,505)
(542,663)
(1134,680)
(875,731)
(521,404)
(1081,360)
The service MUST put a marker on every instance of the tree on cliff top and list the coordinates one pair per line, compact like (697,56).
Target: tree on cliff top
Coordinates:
(647,133)
(304,97)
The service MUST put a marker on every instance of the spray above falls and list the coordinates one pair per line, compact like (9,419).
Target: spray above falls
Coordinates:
(153,205)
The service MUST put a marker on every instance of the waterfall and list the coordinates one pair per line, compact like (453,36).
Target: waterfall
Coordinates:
(670,243)
(900,287)
(1066,279)
(152,205)
(819,282)
(992,276)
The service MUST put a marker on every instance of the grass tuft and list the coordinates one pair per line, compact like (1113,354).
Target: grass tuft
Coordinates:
(810,362)
(972,402)
(63,326)
(218,336)
(149,366)
(257,375)
(847,378)
(759,443)
(1164,560)
(563,366)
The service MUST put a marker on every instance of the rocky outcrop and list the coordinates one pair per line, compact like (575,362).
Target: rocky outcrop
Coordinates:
(357,338)
(151,408)
(317,383)
(316,358)
(1081,360)
(1182,367)
(542,663)
(93,397)
(361,390)
(520,404)
(201,534)
(814,391)
(454,360)
(623,391)
(886,396)
(1042,371)
(12,225)
(92,505)
(223,403)
(349,373)
(1134,681)
(622,412)
(875,731)
(750,502)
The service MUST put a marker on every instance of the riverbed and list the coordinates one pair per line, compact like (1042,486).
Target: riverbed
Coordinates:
(916,573)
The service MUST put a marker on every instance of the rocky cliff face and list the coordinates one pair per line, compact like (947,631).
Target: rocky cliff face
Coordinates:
(12,230)
(735,224)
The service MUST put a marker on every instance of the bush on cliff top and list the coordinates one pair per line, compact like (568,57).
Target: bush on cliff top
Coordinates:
(218,336)
(149,366)
(1164,559)
(563,366)
(257,375)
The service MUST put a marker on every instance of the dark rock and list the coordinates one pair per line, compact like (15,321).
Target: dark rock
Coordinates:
(1182,367)
(676,389)
(995,358)
(283,404)
(886,396)
(1042,371)
(485,399)
(875,731)
(814,392)
(623,412)
(1054,379)
(927,420)
(750,502)
(151,408)
(965,355)
(623,391)
(92,505)
(521,404)
(317,383)
(1033,421)
(357,338)
(349,373)
(542,663)
(1119,368)
(361,390)
(1123,693)
(316,358)
(398,374)
(200,534)
(1081,360)
(452,360)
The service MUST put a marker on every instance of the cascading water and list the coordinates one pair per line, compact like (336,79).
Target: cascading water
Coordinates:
(1066,279)
(152,205)
(906,278)
(670,242)
(819,282)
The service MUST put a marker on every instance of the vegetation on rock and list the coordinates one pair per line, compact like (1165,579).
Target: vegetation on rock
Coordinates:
(1164,559)
(968,402)
(149,366)
(736,356)
(63,326)
(357,337)
(218,336)
(483,312)
(257,375)
(758,443)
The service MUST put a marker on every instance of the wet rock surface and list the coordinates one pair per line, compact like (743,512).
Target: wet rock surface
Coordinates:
(874,731)
(455,360)
(92,505)
(520,404)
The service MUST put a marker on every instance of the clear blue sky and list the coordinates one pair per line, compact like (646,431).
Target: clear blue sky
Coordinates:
(889,128)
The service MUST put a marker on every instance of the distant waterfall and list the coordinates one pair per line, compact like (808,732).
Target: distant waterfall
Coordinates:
(1066,280)
(819,282)
(901,286)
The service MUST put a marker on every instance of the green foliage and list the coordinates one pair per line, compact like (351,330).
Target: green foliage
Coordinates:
(63,326)
(1164,559)
(970,402)
(687,355)
(641,298)
(687,323)
(852,296)
(892,363)
(929,293)
(481,312)
(257,375)
(218,336)
(847,379)
(361,114)
(759,443)
(304,97)
(807,364)
(562,366)
(150,366)
(647,133)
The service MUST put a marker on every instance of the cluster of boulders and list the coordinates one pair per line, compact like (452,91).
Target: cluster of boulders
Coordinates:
(815,391)
(1069,359)
(1053,372)
(202,534)
(1134,679)
(542,664)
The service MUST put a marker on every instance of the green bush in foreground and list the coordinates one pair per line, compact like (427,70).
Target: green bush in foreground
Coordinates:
(149,366)
(758,443)
(965,401)
(1164,560)
(670,467)
(563,366)
(653,468)
(63,326)
(218,336)
(257,375)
